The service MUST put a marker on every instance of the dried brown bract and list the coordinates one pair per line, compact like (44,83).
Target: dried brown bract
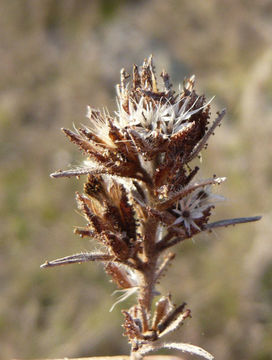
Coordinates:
(141,196)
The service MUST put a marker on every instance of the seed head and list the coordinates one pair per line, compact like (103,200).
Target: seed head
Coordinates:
(141,196)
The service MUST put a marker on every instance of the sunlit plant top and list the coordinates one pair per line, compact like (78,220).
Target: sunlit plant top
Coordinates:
(142,197)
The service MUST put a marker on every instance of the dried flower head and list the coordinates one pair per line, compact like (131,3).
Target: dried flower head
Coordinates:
(141,196)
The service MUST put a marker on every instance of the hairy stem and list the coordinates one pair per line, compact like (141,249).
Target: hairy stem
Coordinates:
(134,355)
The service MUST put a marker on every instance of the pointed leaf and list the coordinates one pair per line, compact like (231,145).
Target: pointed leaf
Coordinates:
(205,138)
(187,190)
(192,349)
(163,306)
(228,222)
(77,259)
(176,323)
(172,316)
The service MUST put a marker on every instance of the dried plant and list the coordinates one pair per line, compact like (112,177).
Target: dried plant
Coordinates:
(141,197)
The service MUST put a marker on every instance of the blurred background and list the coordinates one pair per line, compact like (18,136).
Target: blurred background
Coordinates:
(57,56)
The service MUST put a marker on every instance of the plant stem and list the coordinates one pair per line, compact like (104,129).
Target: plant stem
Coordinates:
(135,356)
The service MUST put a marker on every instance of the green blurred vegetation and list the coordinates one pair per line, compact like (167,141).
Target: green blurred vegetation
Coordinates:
(59,56)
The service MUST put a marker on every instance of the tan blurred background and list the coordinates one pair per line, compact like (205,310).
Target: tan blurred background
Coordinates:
(57,56)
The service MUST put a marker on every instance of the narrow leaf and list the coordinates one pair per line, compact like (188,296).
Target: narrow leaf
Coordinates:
(217,224)
(176,323)
(163,306)
(77,259)
(228,222)
(78,172)
(171,317)
(187,190)
(205,138)
(192,349)
(163,267)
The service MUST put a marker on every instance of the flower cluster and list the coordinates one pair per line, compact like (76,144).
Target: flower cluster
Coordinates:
(141,196)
